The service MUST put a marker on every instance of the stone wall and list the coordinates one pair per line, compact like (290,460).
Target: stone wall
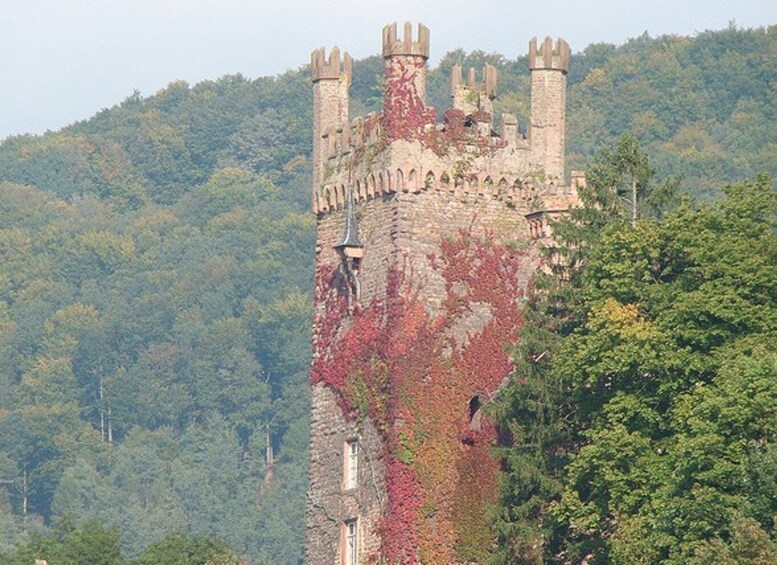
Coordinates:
(417,185)
(430,216)
(329,504)
(400,231)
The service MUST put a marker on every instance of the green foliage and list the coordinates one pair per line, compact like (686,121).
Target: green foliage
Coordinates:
(183,550)
(749,545)
(621,176)
(95,544)
(68,545)
(154,318)
(692,102)
(644,412)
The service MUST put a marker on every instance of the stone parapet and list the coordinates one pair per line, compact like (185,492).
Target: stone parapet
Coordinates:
(549,56)
(501,170)
(333,68)
(367,133)
(407,46)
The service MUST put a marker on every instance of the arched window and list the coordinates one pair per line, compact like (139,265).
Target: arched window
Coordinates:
(399,180)
(445,181)
(429,181)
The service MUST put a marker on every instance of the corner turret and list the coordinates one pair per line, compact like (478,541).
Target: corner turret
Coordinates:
(474,98)
(331,78)
(547,126)
(404,104)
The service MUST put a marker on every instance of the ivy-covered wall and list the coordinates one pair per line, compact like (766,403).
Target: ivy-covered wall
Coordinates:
(410,368)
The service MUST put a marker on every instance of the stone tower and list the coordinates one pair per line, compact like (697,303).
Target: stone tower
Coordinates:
(427,237)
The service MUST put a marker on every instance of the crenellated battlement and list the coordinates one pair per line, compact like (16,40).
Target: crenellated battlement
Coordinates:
(487,86)
(367,133)
(549,56)
(473,97)
(363,132)
(332,68)
(466,133)
(408,46)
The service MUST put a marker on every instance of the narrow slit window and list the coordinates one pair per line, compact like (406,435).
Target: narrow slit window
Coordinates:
(351,542)
(351,464)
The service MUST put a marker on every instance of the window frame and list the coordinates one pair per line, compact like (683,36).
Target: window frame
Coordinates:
(351,451)
(351,542)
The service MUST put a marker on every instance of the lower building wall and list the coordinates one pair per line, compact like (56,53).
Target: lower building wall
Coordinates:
(330,505)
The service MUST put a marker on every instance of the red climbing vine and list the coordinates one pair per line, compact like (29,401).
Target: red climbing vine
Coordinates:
(416,376)
(405,116)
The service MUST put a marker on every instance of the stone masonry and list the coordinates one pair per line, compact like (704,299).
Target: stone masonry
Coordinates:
(413,182)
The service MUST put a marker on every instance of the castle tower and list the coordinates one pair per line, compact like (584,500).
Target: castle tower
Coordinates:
(549,64)
(470,96)
(404,101)
(426,238)
(331,78)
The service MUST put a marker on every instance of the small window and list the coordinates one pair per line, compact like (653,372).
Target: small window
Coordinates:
(351,539)
(475,413)
(474,406)
(351,466)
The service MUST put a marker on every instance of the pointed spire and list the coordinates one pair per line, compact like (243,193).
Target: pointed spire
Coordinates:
(350,244)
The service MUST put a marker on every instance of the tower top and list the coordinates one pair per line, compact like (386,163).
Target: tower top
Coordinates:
(331,69)
(548,56)
(392,45)
(488,86)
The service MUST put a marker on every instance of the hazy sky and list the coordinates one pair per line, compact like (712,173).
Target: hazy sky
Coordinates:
(64,60)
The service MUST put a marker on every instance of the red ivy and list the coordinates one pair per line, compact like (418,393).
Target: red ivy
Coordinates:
(405,116)
(390,361)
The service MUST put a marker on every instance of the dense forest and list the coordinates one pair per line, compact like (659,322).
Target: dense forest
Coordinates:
(644,410)
(155,302)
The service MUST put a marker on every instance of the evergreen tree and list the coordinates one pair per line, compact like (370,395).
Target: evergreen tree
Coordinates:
(641,415)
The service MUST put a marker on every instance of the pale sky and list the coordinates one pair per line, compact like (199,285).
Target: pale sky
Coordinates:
(63,60)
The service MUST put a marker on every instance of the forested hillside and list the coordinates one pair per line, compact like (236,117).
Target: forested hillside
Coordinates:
(155,320)
(156,269)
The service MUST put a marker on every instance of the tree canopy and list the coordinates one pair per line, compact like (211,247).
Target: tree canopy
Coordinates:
(643,410)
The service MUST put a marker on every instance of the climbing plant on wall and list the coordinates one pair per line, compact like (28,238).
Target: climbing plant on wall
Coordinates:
(421,382)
